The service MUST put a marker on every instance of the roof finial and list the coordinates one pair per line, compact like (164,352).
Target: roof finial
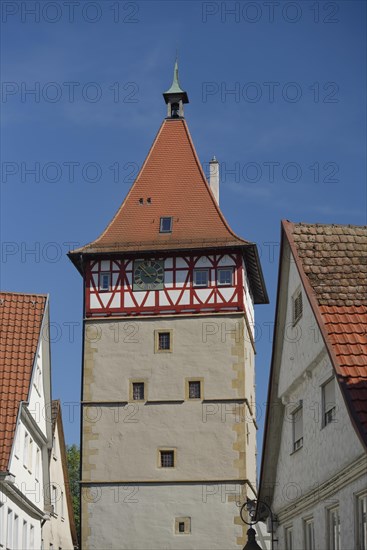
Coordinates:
(175,97)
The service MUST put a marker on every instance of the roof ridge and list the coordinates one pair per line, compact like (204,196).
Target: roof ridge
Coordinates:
(10,293)
(318,224)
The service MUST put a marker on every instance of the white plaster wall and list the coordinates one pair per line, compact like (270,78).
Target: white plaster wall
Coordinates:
(121,441)
(57,530)
(23,515)
(122,517)
(124,349)
(38,406)
(346,500)
(325,450)
(25,478)
(125,441)
(303,342)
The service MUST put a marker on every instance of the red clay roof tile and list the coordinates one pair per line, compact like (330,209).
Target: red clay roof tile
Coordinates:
(172,178)
(20,326)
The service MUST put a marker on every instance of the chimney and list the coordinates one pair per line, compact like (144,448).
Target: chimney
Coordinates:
(214,177)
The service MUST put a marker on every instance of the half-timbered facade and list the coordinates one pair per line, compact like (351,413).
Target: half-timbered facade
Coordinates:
(168,423)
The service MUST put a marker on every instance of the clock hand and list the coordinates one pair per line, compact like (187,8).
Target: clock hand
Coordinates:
(150,275)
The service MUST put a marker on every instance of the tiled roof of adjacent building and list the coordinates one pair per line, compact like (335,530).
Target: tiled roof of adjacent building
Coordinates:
(333,259)
(21,318)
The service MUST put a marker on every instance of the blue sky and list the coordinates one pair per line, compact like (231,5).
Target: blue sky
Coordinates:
(290,137)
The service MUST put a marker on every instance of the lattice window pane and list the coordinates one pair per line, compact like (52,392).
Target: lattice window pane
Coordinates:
(194,390)
(164,341)
(225,276)
(201,277)
(138,391)
(167,459)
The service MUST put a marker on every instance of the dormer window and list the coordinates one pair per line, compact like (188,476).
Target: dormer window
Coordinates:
(105,281)
(165,225)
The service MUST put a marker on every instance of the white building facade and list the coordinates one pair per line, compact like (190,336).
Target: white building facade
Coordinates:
(25,426)
(314,467)
(29,442)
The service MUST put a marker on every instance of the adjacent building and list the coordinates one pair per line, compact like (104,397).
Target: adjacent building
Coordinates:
(314,464)
(168,396)
(59,532)
(26,431)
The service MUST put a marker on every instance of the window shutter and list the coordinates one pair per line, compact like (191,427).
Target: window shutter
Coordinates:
(329,395)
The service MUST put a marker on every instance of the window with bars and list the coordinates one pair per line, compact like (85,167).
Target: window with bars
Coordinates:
(138,391)
(201,277)
(334,528)
(362,522)
(297,306)
(194,389)
(163,341)
(225,276)
(167,459)
(328,402)
(297,424)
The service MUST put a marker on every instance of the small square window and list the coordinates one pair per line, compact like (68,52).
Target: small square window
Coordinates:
(165,225)
(105,281)
(201,277)
(183,526)
(225,276)
(167,459)
(163,340)
(138,391)
(297,306)
(194,389)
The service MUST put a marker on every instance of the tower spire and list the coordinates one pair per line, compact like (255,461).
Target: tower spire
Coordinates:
(175,96)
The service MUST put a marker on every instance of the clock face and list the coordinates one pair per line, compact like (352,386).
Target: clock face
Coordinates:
(148,275)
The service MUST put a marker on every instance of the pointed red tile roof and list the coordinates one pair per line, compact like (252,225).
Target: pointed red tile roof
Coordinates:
(332,261)
(21,318)
(174,182)
(173,179)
